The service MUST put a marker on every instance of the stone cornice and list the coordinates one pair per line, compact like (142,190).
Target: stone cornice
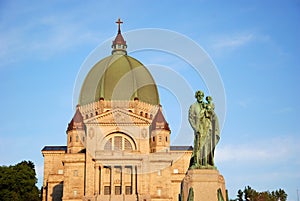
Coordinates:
(135,107)
(53,153)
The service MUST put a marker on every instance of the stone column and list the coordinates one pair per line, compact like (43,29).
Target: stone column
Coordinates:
(112,180)
(96,185)
(122,180)
(134,179)
(101,188)
(131,179)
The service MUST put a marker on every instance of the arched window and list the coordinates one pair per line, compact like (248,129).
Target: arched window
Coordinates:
(119,142)
(108,145)
(127,145)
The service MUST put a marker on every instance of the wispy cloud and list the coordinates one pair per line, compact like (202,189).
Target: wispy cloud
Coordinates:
(245,103)
(277,149)
(49,39)
(283,110)
(43,35)
(231,42)
(261,163)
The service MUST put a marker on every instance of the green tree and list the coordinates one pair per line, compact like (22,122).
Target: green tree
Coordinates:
(240,195)
(249,193)
(253,195)
(18,182)
(264,196)
(280,195)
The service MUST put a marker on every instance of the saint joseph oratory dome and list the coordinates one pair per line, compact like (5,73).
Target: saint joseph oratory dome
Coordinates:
(119,77)
(118,141)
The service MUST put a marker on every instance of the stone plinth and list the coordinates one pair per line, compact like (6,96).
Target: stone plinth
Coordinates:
(205,184)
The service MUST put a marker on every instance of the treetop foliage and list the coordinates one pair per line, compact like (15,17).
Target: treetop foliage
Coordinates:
(18,182)
(249,194)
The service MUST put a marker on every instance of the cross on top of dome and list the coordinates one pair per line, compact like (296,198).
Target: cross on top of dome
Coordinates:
(119,22)
(119,44)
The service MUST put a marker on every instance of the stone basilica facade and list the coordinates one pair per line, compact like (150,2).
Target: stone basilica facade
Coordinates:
(118,142)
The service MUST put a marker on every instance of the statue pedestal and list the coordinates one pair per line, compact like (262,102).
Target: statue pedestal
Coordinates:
(205,184)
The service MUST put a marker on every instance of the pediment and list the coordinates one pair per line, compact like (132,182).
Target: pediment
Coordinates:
(119,117)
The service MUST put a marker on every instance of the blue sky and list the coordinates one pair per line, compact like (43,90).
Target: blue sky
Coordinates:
(254,44)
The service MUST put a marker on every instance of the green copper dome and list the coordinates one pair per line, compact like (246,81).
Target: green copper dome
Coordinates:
(119,77)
